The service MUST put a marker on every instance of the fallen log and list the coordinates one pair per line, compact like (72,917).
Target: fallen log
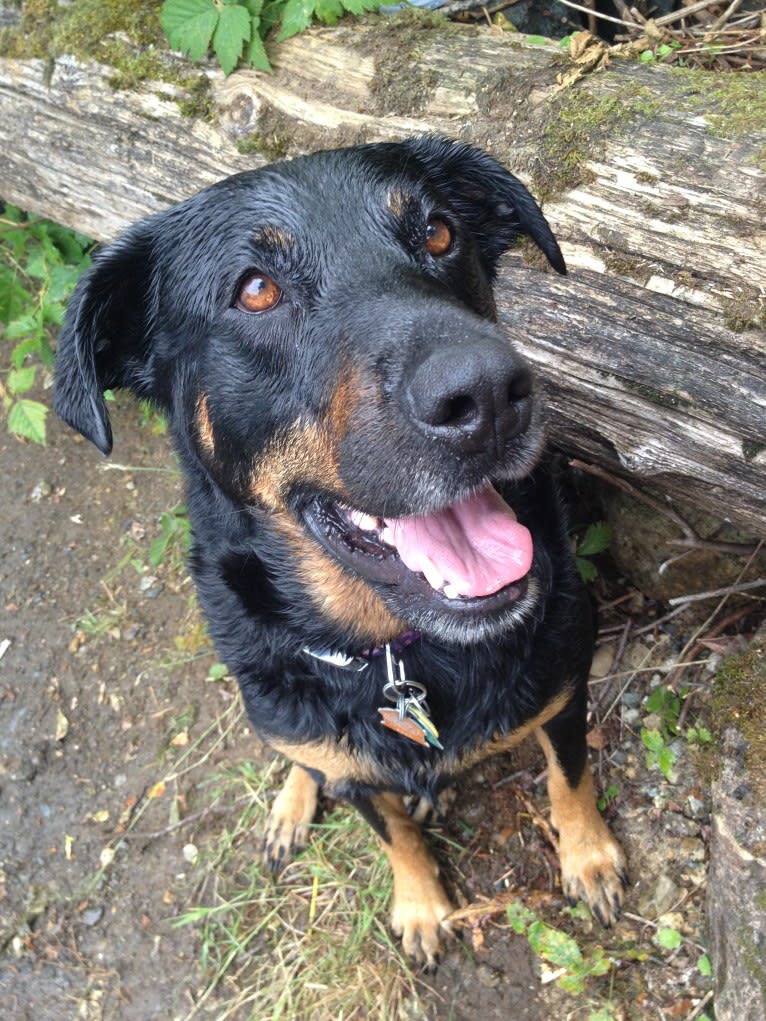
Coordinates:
(652,351)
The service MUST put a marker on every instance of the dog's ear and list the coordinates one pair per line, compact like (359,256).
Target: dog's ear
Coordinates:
(106,335)
(495,204)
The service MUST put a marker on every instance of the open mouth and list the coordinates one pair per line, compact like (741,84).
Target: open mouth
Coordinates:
(471,555)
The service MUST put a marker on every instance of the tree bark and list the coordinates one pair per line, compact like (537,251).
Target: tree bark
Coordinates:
(651,352)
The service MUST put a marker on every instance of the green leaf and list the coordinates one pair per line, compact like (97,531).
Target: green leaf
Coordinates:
(669,939)
(27,419)
(256,55)
(519,917)
(596,539)
(20,353)
(21,380)
(296,17)
(328,11)
(652,740)
(231,34)
(26,325)
(189,25)
(555,946)
(586,569)
(666,760)
(704,966)
(361,6)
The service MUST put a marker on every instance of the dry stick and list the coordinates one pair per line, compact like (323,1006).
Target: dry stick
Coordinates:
(211,810)
(706,624)
(745,586)
(731,9)
(684,12)
(691,540)
(615,480)
(597,14)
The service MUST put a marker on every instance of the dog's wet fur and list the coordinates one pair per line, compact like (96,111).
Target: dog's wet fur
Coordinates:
(321,335)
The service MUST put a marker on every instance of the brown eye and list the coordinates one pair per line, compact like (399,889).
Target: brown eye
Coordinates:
(438,236)
(258,293)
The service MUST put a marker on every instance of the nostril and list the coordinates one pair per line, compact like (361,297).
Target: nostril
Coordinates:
(459,410)
(519,387)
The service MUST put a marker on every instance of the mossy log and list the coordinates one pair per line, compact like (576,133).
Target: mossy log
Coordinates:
(652,350)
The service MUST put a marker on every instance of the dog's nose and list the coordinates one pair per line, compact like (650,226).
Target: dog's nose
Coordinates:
(475,397)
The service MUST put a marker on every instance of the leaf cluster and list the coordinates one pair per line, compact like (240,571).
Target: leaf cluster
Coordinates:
(235,29)
(559,950)
(40,262)
(597,539)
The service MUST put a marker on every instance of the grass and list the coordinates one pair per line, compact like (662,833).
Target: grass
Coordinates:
(313,944)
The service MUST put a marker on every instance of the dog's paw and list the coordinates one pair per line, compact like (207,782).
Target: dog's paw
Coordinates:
(419,917)
(593,869)
(287,827)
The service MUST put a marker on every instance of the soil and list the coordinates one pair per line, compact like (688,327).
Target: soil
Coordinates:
(104,677)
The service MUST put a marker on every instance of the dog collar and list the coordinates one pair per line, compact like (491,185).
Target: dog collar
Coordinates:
(360,661)
(411,718)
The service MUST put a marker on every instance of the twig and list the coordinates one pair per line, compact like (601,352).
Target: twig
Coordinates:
(625,486)
(731,9)
(729,590)
(684,12)
(706,624)
(212,810)
(598,14)
(700,1006)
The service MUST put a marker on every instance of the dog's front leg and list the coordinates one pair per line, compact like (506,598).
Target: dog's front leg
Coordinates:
(593,865)
(291,815)
(420,904)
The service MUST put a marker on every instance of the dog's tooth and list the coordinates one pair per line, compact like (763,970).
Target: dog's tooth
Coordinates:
(388,536)
(365,522)
(451,591)
(432,573)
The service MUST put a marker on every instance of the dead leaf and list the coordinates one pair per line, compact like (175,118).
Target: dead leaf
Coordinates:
(62,726)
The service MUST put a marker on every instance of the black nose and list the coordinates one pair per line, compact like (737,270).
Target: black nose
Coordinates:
(475,397)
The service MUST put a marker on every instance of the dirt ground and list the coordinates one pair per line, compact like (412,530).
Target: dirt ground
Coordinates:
(104,680)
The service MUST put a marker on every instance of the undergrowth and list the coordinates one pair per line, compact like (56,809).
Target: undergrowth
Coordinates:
(313,944)
(40,262)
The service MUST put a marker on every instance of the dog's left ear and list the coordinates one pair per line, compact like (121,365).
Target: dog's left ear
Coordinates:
(106,335)
(494,203)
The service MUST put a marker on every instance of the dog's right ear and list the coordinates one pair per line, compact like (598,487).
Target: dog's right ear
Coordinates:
(106,335)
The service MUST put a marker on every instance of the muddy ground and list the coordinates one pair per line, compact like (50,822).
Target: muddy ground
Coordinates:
(104,681)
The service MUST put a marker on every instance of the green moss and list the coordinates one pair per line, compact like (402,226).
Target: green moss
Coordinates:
(744,310)
(628,266)
(751,450)
(400,86)
(734,105)
(124,34)
(663,399)
(576,125)
(83,28)
(739,698)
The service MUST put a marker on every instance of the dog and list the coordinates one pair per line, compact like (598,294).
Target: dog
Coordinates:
(378,543)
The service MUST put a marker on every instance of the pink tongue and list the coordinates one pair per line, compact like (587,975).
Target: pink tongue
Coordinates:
(475,547)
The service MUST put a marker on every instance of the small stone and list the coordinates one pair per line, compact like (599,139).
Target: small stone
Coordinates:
(92,916)
(603,658)
(40,491)
(659,896)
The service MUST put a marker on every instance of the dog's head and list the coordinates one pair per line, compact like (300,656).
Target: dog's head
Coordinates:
(322,336)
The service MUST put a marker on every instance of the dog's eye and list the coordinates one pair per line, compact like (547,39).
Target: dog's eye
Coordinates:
(258,293)
(438,236)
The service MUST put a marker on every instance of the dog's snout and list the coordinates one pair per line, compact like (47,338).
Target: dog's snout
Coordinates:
(473,397)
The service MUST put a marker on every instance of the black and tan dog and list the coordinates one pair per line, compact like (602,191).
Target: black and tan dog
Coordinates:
(378,549)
